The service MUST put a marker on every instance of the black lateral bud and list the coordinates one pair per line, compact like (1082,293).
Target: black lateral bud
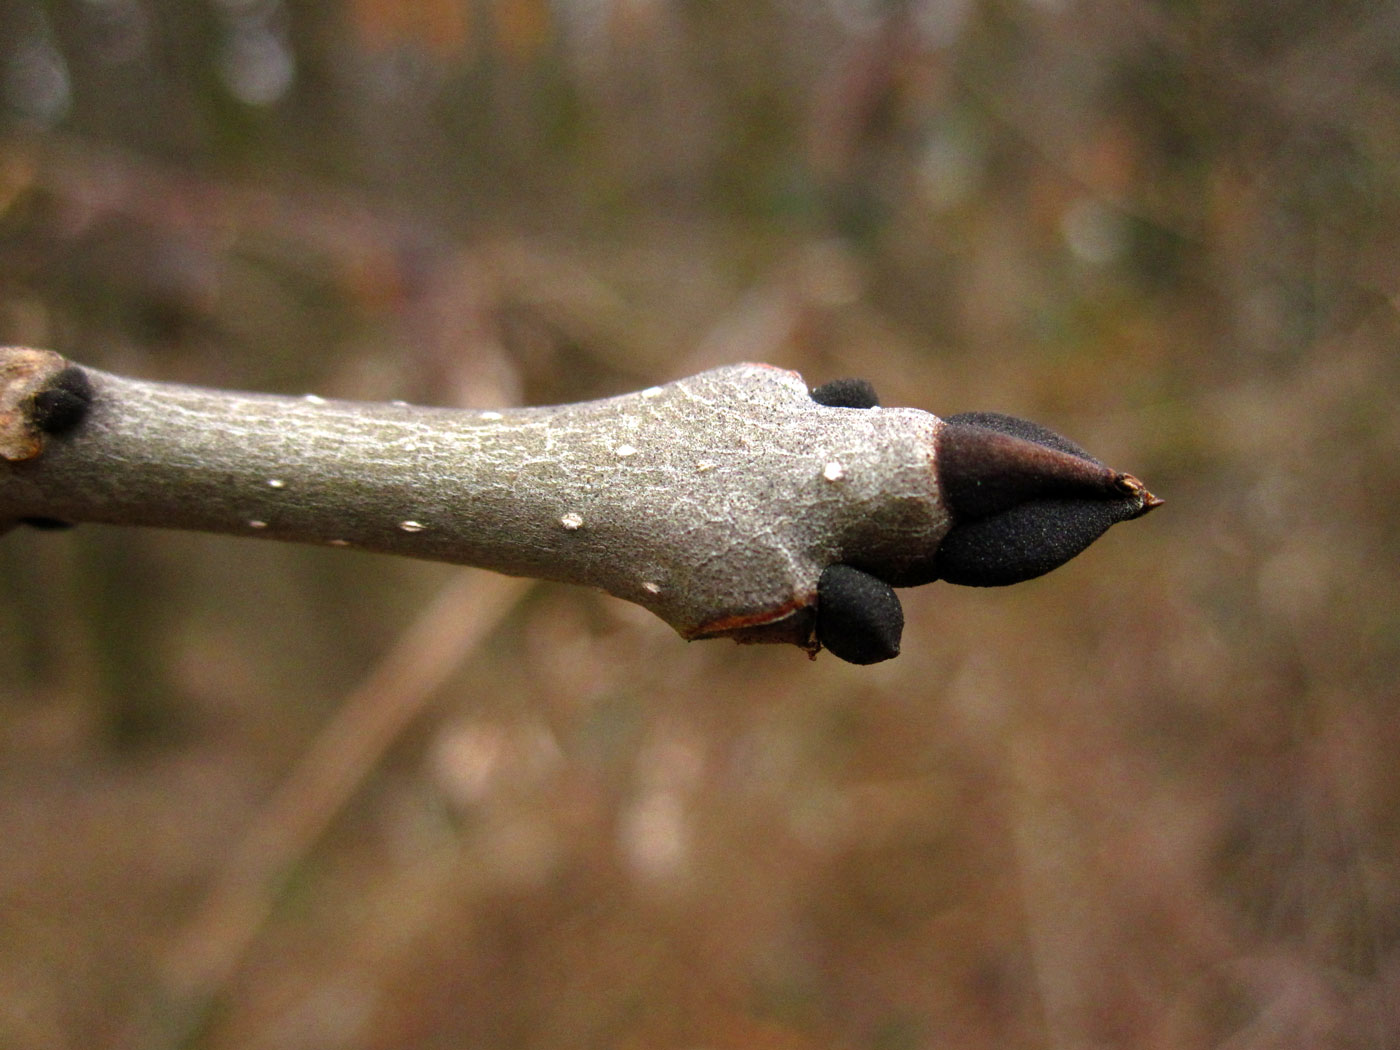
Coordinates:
(1023,499)
(846,393)
(64,401)
(859,617)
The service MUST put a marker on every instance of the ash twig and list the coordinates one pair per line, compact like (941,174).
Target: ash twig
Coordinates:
(717,501)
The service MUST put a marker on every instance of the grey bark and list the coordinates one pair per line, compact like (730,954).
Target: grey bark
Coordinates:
(714,501)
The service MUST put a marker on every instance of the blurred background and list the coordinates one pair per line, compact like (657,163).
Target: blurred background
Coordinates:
(261,796)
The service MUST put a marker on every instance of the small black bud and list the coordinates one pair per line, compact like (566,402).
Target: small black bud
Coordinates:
(846,393)
(63,403)
(859,617)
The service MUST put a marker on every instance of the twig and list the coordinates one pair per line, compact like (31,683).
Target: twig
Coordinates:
(733,503)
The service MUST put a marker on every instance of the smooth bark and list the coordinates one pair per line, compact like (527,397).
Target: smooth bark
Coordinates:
(715,501)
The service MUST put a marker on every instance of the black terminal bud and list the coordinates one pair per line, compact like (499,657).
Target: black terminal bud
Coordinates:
(1021,428)
(859,617)
(1026,541)
(1023,499)
(64,401)
(846,393)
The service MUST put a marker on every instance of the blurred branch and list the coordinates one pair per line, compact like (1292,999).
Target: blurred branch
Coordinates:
(721,502)
(372,717)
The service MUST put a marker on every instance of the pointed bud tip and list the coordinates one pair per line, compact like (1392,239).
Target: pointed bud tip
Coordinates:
(1131,486)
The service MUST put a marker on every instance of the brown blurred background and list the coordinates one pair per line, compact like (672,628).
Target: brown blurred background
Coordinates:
(255,796)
